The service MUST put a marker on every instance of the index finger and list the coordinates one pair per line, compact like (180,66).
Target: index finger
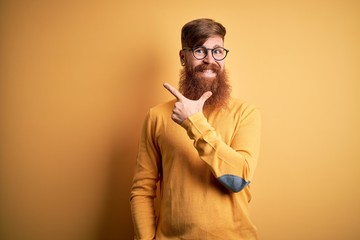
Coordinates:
(173,91)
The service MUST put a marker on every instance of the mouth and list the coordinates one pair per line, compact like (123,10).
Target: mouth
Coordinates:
(208,73)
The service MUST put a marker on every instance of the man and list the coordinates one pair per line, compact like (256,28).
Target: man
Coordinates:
(202,149)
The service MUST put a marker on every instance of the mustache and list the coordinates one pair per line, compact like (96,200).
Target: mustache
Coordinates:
(203,67)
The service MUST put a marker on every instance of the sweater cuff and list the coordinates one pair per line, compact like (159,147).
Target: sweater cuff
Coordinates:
(196,125)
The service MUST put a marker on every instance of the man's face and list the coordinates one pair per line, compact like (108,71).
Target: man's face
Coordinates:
(199,76)
(190,61)
(187,58)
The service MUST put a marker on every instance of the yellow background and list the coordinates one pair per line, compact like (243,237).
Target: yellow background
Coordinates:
(77,78)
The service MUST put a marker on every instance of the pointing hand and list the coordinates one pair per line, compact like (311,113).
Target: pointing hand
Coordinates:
(185,107)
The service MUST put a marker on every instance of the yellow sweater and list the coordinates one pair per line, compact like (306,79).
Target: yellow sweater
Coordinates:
(204,167)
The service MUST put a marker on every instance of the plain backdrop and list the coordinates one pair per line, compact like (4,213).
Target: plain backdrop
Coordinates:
(77,78)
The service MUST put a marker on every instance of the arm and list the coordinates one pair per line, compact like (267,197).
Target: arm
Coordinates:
(143,190)
(234,164)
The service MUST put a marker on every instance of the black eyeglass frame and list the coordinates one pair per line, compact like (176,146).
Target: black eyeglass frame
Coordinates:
(207,52)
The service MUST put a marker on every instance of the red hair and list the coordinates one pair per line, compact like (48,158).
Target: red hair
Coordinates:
(196,32)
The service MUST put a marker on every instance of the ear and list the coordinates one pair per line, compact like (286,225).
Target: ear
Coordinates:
(182,57)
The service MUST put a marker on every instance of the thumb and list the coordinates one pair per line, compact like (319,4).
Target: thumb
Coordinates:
(205,96)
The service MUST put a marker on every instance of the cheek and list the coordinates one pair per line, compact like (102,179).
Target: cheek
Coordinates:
(222,66)
(192,63)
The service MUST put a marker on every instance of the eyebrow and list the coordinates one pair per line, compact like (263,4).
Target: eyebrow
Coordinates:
(215,46)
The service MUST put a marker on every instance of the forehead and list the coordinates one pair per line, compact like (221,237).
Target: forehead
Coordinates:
(215,41)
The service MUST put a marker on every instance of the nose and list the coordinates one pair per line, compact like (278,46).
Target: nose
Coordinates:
(209,58)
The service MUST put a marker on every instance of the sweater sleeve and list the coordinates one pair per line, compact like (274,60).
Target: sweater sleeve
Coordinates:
(143,191)
(233,164)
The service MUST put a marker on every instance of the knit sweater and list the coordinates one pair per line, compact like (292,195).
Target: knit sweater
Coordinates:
(203,168)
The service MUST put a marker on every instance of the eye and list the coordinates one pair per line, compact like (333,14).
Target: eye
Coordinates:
(199,51)
(218,51)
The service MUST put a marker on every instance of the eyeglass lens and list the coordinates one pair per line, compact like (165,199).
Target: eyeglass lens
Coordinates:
(218,53)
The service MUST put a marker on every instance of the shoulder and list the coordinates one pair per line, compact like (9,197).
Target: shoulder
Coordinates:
(243,111)
(162,108)
(161,113)
(241,106)
(158,116)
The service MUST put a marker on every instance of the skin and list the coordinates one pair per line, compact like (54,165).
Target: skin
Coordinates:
(187,58)
(185,107)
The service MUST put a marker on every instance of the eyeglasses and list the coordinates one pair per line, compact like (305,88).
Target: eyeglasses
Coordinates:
(218,53)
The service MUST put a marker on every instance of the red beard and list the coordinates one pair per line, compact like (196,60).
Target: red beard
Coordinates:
(193,86)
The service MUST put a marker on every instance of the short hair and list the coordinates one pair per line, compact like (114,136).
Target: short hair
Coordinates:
(196,32)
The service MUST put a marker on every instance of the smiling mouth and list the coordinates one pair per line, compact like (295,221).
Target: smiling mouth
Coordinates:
(208,72)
